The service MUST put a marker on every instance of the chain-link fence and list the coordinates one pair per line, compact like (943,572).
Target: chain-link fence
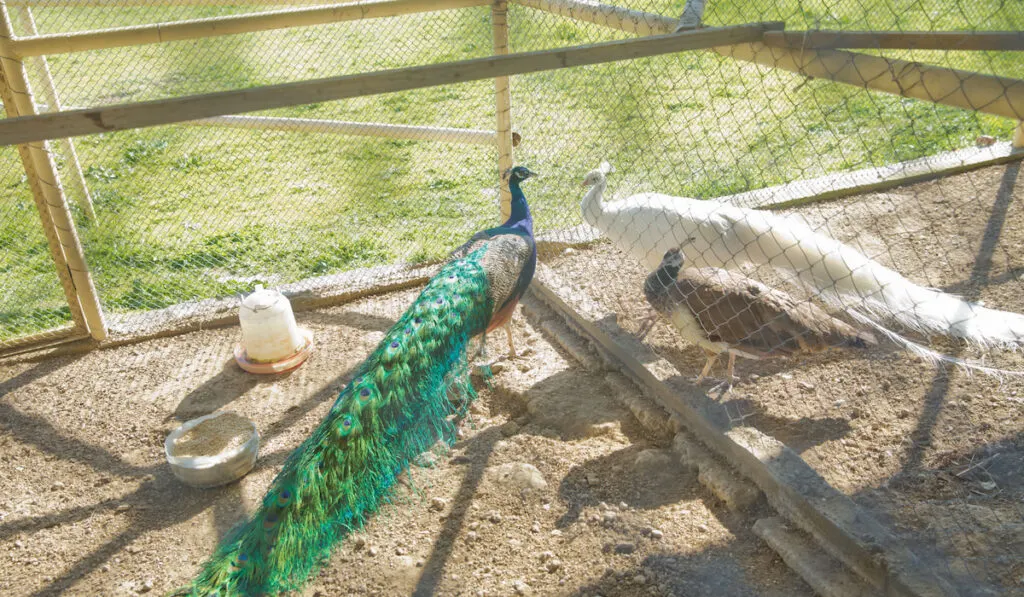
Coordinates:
(179,219)
(929,448)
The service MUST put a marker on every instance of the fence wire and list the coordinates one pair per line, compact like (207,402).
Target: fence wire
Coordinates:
(933,450)
(187,217)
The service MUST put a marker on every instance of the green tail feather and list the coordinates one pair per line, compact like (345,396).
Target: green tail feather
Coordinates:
(395,408)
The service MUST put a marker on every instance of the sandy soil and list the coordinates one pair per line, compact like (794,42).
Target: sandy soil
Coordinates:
(938,455)
(90,507)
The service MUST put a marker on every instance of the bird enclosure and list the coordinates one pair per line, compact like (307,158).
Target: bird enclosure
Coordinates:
(173,154)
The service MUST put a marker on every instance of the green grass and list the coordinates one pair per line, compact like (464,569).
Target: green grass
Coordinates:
(191,213)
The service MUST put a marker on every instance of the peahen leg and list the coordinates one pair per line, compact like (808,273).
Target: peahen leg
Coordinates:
(511,345)
(726,386)
(730,378)
(647,324)
(712,357)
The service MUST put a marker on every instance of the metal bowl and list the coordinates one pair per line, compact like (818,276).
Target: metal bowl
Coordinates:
(219,468)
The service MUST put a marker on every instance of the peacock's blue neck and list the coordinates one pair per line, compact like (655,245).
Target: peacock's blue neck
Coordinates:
(520,219)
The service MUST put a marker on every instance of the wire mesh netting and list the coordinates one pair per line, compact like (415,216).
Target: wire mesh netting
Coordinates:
(927,446)
(192,213)
(189,216)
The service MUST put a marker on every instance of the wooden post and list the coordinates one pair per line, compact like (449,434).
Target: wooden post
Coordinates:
(693,15)
(81,191)
(503,105)
(1018,136)
(48,194)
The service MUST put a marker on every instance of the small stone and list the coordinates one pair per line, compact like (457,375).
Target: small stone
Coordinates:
(372,551)
(133,549)
(509,429)
(425,460)
(521,588)
(623,506)
(471,536)
(556,533)
(474,525)
(358,543)
(609,517)
(624,548)
(121,508)
(401,551)
(593,480)
(147,586)
(420,563)
(105,568)
(656,534)
(57,486)
(518,474)
(603,506)
(19,544)
(640,579)
(535,528)
(494,517)
(553,565)
(806,386)
(703,528)
(546,555)
(654,462)
(438,504)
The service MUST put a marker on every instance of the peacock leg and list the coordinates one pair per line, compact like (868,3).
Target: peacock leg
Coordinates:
(481,350)
(712,357)
(511,346)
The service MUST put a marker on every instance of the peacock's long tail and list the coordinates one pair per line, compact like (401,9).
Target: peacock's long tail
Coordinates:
(396,407)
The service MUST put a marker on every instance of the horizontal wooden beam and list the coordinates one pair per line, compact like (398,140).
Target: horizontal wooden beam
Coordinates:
(871,180)
(1002,96)
(614,17)
(359,129)
(898,40)
(56,125)
(81,41)
(158,3)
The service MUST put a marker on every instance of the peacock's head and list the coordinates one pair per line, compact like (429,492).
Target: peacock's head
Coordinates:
(598,176)
(518,174)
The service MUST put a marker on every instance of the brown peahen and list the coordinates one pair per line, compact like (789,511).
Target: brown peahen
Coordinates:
(725,311)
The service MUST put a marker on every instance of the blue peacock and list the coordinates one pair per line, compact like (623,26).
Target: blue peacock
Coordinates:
(396,406)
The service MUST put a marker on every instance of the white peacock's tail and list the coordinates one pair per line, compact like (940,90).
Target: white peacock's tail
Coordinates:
(714,234)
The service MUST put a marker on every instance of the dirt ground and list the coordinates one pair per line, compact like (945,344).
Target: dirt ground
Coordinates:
(937,455)
(91,508)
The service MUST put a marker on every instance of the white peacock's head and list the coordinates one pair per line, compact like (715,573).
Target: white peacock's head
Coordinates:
(598,176)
